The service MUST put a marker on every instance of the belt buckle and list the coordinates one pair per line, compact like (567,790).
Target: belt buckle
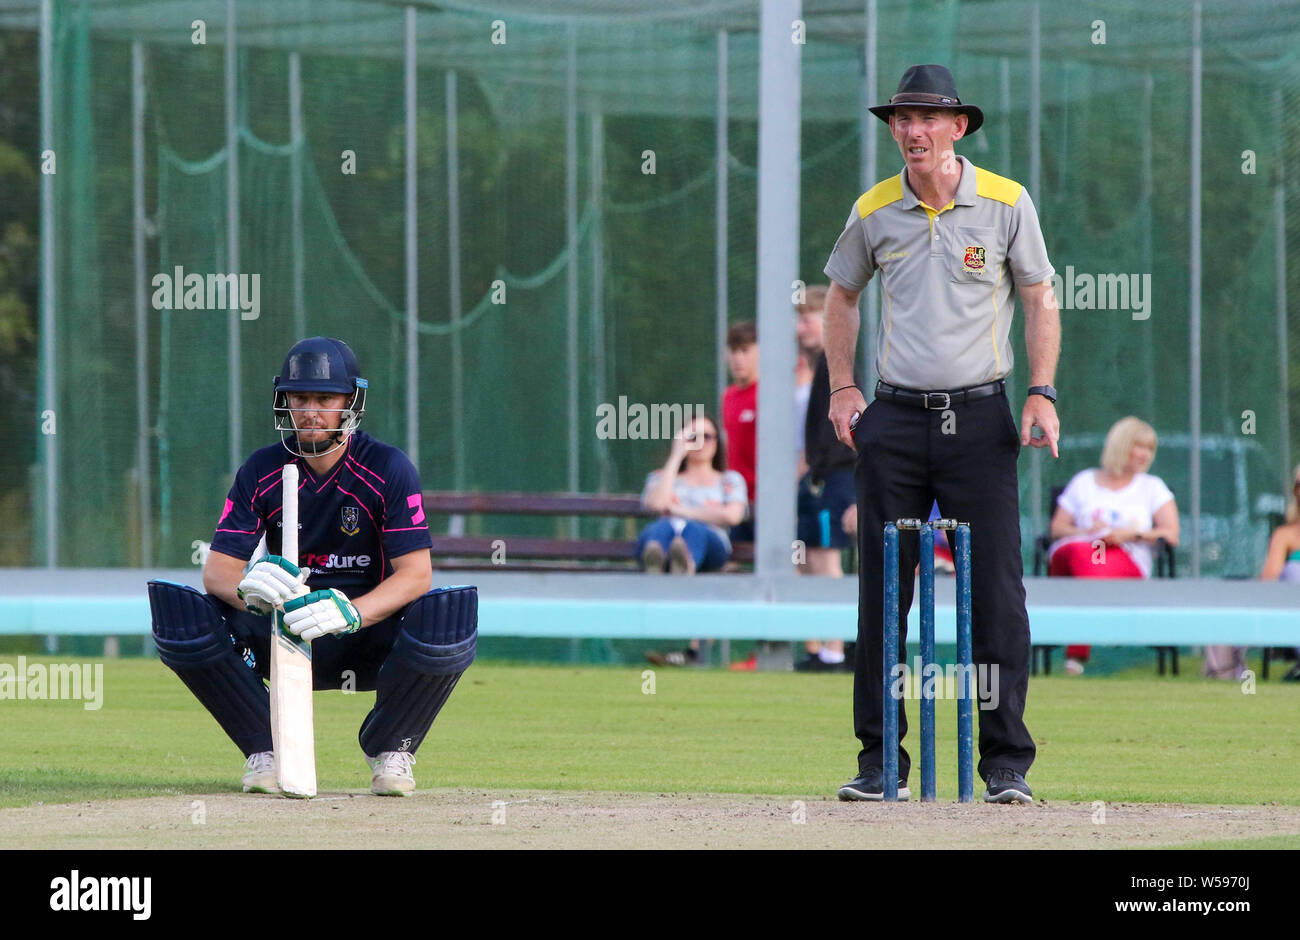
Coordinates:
(947,401)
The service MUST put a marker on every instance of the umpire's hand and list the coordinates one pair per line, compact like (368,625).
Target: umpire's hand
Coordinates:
(1039,413)
(847,408)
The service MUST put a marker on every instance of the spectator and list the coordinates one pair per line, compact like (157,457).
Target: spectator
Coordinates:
(1283,560)
(808,333)
(825,489)
(943,561)
(740,412)
(1115,506)
(697,496)
(803,376)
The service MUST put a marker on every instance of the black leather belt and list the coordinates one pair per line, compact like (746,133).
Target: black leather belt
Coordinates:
(937,401)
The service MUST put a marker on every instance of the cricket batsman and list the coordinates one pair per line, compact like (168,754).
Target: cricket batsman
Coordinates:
(361,595)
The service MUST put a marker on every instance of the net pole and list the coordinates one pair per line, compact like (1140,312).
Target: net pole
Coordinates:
(778,266)
(571,237)
(1194,300)
(721,268)
(867,155)
(720,204)
(165,338)
(143,480)
(49,386)
(597,316)
(1035,103)
(234,362)
(1279,266)
(599,358)
(453,285)
(1148,223)
(412,258)
(297,142)
(1036,190)
(1004,96)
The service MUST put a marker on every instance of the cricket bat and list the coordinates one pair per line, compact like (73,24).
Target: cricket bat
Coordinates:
(292,728)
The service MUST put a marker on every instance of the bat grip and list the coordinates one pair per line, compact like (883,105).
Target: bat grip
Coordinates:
(289,514)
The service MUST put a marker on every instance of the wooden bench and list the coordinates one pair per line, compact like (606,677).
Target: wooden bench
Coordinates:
(454,549)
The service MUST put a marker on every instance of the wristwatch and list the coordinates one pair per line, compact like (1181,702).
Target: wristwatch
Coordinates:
(1046,391)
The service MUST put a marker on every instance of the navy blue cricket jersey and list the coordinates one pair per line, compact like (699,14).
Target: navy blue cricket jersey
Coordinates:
(351,524)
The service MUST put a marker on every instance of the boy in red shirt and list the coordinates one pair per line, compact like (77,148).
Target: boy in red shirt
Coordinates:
(740,408)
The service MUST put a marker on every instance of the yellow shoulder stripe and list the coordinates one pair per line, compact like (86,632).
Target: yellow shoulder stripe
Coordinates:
(991,186)
(882,194)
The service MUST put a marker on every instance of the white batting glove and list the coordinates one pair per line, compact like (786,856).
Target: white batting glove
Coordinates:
(269,582)
(321,612)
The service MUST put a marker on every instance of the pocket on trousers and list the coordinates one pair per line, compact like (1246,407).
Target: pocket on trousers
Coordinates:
(1013,428)
(856,431)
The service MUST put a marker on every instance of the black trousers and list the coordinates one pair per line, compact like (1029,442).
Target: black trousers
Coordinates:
(964,457)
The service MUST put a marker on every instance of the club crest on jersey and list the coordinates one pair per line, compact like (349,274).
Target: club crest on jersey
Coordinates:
(974,260)
(351,520)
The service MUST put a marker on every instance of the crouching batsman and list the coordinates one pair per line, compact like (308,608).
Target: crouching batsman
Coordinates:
(361,594)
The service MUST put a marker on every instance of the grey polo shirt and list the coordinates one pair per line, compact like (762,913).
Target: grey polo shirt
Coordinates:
(946,276)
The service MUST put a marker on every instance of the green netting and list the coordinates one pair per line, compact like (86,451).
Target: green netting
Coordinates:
(639,289)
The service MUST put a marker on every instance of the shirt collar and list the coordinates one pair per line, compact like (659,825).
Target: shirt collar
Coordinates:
(965,195)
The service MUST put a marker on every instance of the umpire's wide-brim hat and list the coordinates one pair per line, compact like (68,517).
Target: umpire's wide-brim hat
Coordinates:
(930,86)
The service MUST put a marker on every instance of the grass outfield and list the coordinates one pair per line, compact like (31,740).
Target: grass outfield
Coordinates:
(1122,740)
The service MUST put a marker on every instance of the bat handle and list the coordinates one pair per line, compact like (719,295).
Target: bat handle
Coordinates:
(289,514)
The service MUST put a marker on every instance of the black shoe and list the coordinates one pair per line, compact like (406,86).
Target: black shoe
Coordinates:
(1293,675)
(869,785)
(1007,786)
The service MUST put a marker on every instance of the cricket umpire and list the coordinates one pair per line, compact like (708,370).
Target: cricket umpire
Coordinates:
(952,244)
(364,545)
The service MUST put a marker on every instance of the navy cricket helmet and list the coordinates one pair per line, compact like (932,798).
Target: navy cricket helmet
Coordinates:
(327,366)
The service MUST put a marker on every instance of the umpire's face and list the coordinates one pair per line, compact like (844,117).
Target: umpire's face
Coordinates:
(925,137)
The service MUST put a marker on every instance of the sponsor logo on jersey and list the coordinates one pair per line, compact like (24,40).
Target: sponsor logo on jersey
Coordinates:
(974,260)
(351,520)
(335,562)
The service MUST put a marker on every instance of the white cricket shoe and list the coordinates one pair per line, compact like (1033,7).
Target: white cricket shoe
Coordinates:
(392,774)
(259,773)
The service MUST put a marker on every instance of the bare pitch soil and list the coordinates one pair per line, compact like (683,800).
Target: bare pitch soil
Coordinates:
(477,819)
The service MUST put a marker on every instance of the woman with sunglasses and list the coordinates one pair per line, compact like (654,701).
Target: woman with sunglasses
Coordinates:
(698,499)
